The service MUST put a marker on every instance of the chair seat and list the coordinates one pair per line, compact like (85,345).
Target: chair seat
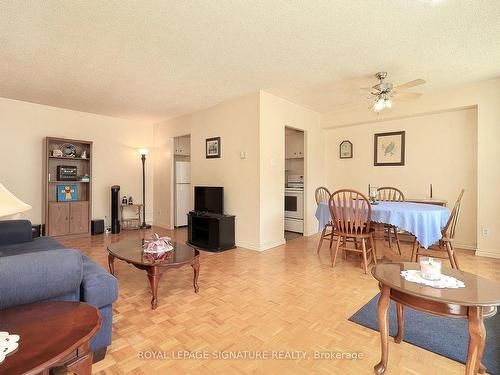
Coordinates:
(363,234)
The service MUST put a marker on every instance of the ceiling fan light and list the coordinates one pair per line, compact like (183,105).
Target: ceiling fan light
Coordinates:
(388,103)
(379,105)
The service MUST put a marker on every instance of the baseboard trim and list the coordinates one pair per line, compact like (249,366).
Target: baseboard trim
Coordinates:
(488,254)
(260,247)
(464,246)
(162,225)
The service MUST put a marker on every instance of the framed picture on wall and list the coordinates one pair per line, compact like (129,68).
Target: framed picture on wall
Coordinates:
(212,148)
(389,149)
(345,150)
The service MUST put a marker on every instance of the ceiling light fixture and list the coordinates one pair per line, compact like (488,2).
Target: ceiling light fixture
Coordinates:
(381,102)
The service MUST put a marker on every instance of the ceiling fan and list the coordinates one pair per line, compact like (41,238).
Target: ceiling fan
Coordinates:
(384,93)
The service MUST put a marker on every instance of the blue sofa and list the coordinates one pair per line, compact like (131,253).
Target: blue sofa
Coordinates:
(42,269)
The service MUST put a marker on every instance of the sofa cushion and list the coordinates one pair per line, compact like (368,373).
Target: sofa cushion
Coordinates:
(99,287)
(15,231)
(39,276)
(38,244)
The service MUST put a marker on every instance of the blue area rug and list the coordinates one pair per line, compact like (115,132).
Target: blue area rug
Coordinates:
(444,336)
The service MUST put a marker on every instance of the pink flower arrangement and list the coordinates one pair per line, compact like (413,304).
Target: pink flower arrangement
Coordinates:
(158,244)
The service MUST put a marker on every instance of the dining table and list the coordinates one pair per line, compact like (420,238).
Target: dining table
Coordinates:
(424,221)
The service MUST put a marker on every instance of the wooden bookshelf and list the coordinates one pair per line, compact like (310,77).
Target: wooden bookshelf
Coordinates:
(68,219)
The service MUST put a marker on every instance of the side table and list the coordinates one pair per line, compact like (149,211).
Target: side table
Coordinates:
(51,334)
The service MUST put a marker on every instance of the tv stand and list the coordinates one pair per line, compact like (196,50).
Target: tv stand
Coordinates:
(209,231)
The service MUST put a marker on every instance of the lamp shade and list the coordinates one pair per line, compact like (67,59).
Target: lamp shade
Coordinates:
(9,204)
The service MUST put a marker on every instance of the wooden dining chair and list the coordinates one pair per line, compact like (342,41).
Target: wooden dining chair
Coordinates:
(322,194)
(391,194)
(446,241)
(351,214)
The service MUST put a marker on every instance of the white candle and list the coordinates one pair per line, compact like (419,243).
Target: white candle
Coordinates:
(430,268)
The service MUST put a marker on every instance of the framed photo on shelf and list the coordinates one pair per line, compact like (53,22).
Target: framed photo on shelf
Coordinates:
(345,150)
(212,148)
(389,149)
(67,193)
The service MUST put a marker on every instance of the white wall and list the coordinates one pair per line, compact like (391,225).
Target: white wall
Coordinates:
(440,149)
(253,187)
(23,127)
(276,113)
(237,123)
(486,97)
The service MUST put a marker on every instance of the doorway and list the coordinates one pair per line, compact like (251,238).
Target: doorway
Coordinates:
(182,179)
(294,183)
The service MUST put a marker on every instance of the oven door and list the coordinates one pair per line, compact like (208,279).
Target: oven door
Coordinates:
(294,205)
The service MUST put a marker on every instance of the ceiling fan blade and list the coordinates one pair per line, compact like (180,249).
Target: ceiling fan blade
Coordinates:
(407,85)
(370,89)
(405,96)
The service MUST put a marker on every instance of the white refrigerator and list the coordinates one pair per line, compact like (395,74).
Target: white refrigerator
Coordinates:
(182,192)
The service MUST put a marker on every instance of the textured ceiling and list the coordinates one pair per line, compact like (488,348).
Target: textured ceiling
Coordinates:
(151,60)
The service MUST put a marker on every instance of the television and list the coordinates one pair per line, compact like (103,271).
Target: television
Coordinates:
(209,199)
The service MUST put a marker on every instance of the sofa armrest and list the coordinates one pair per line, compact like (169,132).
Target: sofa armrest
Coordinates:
(99,287)
(33,277)
(15,231)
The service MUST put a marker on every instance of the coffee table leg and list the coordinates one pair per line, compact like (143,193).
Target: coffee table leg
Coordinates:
(196,273)
(383,322)
(401,323)
(111,264)
(477,334)
(154,278)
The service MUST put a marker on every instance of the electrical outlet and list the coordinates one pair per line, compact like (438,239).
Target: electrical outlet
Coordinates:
(486,232)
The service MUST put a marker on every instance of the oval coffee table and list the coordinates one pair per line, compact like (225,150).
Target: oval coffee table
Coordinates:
(478,300)
(51,334)
(131,251)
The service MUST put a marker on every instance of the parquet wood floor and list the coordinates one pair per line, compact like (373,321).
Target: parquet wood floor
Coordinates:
(283,299)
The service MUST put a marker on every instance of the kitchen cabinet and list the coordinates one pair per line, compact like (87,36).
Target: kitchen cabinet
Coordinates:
(294,146)
(182,145)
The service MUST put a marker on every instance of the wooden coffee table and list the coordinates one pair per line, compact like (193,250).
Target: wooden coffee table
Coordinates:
(51,334)
(478,300)
(131,252)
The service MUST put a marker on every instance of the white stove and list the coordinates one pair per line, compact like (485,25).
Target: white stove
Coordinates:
(294,204)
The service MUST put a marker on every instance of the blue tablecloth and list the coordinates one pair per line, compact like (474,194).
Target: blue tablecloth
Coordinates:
(425,221)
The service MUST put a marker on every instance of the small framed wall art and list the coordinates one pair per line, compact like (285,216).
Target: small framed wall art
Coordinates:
(67,193)
(345,150)
(389,149)
(212,148)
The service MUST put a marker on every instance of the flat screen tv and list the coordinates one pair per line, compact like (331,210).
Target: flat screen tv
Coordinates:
(209,199)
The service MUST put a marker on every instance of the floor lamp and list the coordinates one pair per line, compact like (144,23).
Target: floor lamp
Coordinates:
(10,204)
(143,152)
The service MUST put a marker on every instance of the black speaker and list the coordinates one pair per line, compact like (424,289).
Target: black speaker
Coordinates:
(115,198)
(97,227)
(36,230)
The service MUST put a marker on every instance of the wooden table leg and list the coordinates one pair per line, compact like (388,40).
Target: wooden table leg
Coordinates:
(196,273)
(379,235)
(482,368)
(154,278)
(111,264)
(82,363)
(383,322)
(401,323)
(477,334)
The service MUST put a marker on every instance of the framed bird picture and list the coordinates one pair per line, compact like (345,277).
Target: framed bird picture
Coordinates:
(389,149)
